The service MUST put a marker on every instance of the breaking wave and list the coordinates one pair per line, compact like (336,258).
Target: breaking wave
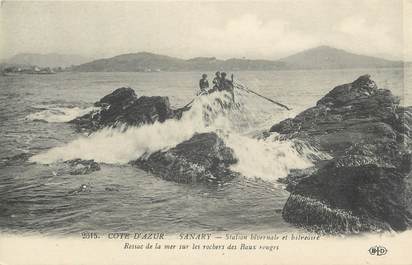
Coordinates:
(58,114)
(267,158)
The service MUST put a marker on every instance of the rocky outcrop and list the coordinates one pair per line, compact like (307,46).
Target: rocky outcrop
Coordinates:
(123,107)
(365,185)
(203,158)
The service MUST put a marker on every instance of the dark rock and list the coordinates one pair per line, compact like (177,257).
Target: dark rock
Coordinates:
(122,107)
(111,189)
(318,217)
(366,191)
(361,88)
(123,96)
(203,158)
(82,167)
(363,186)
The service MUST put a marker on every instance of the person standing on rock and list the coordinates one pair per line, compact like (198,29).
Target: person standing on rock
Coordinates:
(227,85)
(203,84)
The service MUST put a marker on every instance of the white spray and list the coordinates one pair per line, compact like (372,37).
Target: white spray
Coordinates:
(268,159)
(59,114)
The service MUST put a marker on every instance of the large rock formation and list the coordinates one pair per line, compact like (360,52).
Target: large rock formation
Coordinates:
(203,158)
(365,185)
(123,107)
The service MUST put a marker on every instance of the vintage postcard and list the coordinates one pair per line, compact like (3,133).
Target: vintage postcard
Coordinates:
(205,132)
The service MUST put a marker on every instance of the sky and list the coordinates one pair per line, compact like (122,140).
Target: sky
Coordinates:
(223,29)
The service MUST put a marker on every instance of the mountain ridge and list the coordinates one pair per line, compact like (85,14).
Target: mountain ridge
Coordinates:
(321,57)
(145,61)
(326,57)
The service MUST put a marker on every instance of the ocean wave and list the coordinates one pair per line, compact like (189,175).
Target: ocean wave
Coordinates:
(58,114)
(267,158)
(123,144)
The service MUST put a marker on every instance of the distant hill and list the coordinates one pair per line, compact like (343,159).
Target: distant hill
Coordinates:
(325,57)
(133,62)
(322,57)
(143,61)
(47,60)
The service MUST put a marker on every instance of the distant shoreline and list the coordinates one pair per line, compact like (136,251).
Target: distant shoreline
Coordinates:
(319,58)
(229,70)
(211,71)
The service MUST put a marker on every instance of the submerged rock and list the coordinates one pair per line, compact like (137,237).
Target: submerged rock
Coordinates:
(123,107)
(82,167)
(81,189)
(364,186)
(202,158)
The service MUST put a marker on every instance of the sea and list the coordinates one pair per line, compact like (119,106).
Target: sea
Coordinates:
(38,195)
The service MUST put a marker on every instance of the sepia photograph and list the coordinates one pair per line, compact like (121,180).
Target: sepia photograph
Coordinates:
(206,132)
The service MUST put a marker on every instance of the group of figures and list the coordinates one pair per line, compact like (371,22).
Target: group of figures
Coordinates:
(220,83)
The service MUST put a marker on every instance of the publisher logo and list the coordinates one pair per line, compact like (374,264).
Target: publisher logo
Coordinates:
(378,250)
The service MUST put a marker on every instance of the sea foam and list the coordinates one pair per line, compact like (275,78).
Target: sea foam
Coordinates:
(59,114)
(267,158)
